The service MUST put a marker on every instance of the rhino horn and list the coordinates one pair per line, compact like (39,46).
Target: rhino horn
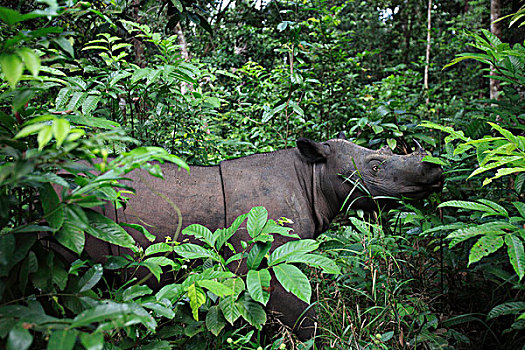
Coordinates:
(420,149)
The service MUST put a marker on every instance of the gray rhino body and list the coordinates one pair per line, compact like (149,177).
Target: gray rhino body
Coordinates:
(305,184)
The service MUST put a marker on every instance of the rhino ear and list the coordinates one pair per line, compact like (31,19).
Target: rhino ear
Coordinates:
(341,135)
(313,151)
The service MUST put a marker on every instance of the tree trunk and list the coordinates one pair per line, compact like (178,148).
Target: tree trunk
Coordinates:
(427,59)
(495,29)
(185,87)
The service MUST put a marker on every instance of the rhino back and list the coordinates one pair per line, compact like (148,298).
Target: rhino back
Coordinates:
(198,196)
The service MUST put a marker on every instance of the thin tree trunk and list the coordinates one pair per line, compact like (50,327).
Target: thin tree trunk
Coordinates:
(427,59)
(137,44)
(495,28)
(185,87)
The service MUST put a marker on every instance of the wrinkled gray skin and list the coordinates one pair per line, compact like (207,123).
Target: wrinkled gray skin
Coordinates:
(305,184)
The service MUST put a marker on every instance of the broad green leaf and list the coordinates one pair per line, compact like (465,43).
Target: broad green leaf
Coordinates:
(90,103)
(19,338)
(215,287)
(107,230)
(516,254)
(93,341)
(170,291)
(155,269)
(229,309)
(178,5)
(53,210)
(161,261)
(158,248)
(61,129)
(293,281)
(63,339)
(65,45)
(297,247)
(31,60)
(134,292)
(30,130)
(258,283)
(90,278)
(12,67)
(197,299)
(215,321)
(109,310)
(71,237)
(222,235)
(142,230)
(315,260)
(44,136)
(257,218)
(160,310)
(486,245)
(200,232)
(272,227)
(193,251)
(466,233)
(520,206)
(509,308)
(252,311)
(236,285)
(467,205)
(257,254)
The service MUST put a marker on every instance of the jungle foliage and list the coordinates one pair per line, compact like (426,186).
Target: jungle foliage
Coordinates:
(110,79)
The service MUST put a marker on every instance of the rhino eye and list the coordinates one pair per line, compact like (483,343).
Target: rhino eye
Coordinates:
(375,168)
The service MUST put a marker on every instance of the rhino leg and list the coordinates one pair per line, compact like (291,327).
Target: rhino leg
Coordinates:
(290,310)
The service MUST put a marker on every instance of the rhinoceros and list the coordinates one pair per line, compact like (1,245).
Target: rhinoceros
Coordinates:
(308,184)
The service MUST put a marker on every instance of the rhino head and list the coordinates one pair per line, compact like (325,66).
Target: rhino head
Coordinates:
(362,178)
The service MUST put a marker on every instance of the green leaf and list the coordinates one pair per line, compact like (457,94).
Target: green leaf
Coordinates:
(257,218)
(107,230)
(178,5)
(257,254)
(62,339)
(93,341)
(516,254)
(71,237)
(109,310)
(293,281)
(215,287)
(229,309)
(12,67)
(469,206)
(215,321)
(272,227)
(150,237)
(465,233)
(61,129)
(252,312)
(90,278)
(197,299)
(486,245)
(200,232)
(134,292)
(44,136)
(30,130)
(236,285)
(193,251)
(158,248)
(315,260)
(90,103)
(258,283)
(297,247)
(509,308)
(65,45)
(160,310)
(53,210)
(520,206)
(222,235)
(31,60)
(19,338)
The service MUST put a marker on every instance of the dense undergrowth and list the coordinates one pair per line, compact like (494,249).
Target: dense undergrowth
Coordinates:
(83,80)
